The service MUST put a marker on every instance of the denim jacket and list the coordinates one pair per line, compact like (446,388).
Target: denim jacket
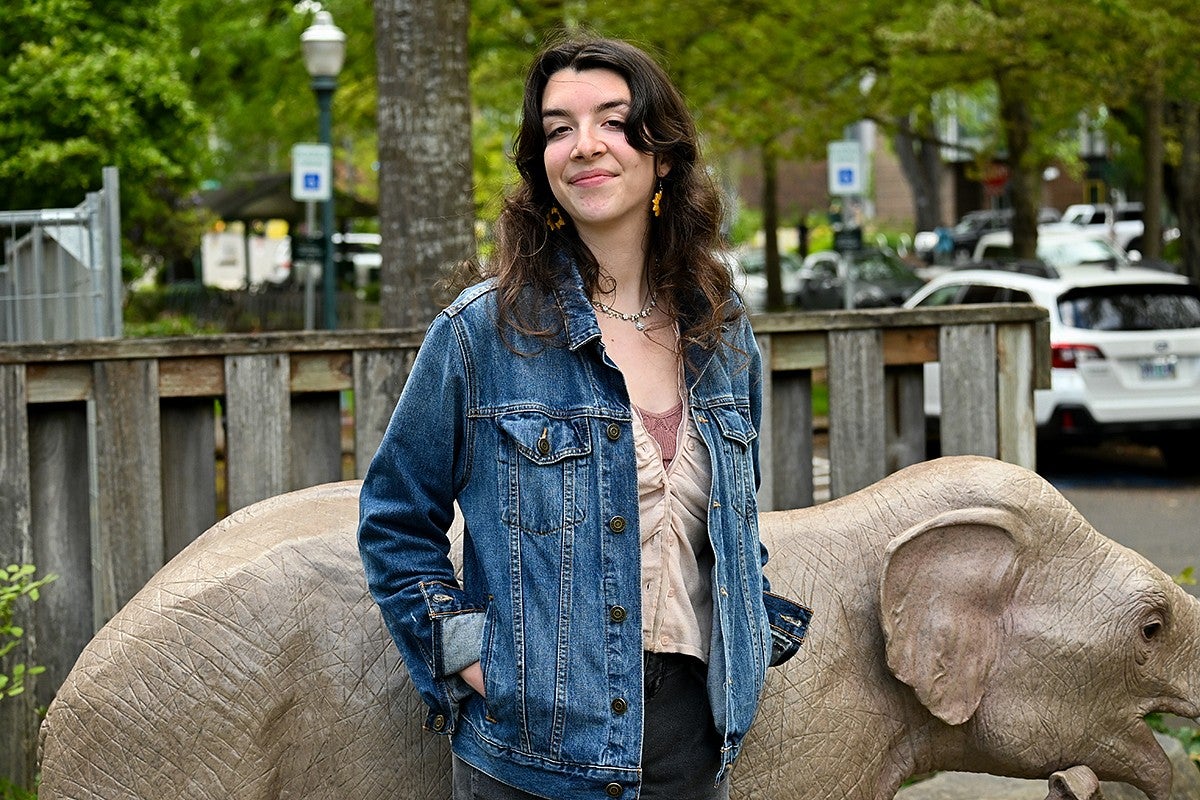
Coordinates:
(536,447)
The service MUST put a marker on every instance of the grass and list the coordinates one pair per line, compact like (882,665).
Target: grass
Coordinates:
(820,399)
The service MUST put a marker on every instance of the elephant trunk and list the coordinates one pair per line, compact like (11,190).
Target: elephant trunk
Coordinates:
(1189,633)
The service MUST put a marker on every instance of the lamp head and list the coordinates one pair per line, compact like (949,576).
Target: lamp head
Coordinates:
(324,47)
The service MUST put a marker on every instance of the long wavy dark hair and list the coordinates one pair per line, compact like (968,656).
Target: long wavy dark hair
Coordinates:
(683,263)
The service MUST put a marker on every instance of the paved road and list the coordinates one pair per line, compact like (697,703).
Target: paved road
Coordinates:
(1128,494)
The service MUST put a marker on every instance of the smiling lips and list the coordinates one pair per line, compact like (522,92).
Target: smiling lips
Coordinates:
(592,177)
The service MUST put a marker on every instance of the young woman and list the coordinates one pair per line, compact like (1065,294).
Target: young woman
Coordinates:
(593,410)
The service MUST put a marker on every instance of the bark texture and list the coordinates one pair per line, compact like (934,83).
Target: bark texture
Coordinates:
(920,160)
(426,207)
(1189,189)
(1025,177)
(1152,157)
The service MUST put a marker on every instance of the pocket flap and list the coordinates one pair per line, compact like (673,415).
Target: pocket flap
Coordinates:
(546,440)
(734,423)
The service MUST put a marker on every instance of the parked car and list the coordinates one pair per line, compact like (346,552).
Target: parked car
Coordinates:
(965,235)
(1058,247)
(1123,223)
(1103,219)
(749,268)
(1124,350)
(961,240)
(879,278)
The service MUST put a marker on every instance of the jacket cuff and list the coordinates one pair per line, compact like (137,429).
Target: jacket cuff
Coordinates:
(462,642)
(789,625)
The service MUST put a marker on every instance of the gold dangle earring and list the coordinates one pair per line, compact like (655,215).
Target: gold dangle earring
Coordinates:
(656,203)
(554,219)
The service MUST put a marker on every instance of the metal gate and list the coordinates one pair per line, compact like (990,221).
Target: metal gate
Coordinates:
(60,278)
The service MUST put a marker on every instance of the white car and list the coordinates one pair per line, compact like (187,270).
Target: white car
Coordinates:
(1122,224)
(1125,351)
(1058,248)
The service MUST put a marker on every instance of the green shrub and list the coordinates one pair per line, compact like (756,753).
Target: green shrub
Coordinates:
(10,791)
(143,305)
(167,325)
(16,581)
(1188,735)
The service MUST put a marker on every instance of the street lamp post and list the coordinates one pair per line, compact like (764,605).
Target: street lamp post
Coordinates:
(324,48)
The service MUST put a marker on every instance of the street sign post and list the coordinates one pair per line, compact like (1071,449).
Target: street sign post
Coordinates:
(845,168)
(312,172)
(312,183)
(848,240)
(308,248)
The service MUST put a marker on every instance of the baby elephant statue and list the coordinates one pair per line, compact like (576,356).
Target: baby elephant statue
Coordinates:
(966,617)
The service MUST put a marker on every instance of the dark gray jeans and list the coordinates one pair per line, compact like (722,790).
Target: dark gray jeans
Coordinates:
(680,746)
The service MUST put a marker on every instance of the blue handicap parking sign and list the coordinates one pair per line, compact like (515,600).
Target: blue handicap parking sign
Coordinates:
(845,176)
(312,180)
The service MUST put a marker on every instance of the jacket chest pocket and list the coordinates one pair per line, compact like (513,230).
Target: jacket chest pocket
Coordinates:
(737,443)
(543,471)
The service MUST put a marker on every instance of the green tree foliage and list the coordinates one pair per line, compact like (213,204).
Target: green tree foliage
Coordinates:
(89,84)
(245,72)
(16,581)
(175,92)
(1039,60)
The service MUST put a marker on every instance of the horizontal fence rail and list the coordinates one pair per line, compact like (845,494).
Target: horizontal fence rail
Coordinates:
(114,455)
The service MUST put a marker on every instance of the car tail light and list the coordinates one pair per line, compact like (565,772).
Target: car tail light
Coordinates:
(1069,356)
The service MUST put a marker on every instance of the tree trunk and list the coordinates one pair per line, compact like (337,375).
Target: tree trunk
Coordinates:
(1024,175)
(770,206)
(921,162)
(426,206)
(1189,188)
(1152,158)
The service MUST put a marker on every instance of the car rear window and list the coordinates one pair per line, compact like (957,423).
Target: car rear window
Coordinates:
(1148,307)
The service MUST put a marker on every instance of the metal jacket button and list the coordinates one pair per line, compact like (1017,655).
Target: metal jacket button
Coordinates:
(613,431)
(439,722)
(617,524)
(543,442)
(617,614)
(619,706)
(613,790)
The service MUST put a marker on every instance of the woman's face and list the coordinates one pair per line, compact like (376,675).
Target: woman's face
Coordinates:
(601,181)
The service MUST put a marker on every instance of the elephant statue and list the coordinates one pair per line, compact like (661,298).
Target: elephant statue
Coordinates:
(966,617)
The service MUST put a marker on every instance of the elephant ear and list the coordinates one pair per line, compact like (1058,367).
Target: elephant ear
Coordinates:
(946,584)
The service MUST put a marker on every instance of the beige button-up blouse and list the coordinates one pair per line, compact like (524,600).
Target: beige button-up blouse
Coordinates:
(677,558)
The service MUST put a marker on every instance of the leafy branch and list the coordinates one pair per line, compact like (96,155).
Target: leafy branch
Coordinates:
(16,581)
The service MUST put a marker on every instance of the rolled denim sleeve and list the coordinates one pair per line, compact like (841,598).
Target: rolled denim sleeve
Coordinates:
(789,625)
(406,507)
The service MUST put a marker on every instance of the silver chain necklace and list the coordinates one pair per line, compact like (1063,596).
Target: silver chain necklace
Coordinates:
(636,319)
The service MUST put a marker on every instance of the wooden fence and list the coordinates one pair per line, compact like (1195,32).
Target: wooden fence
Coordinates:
(115,454)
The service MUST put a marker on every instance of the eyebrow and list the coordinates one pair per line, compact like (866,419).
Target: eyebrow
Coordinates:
(605,106)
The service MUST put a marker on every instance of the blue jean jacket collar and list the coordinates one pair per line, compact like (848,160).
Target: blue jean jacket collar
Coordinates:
(579,319)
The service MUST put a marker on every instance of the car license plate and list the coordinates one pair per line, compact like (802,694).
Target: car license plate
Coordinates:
(1158,369)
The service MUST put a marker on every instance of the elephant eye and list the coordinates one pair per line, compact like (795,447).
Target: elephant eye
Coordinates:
(1151,629)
